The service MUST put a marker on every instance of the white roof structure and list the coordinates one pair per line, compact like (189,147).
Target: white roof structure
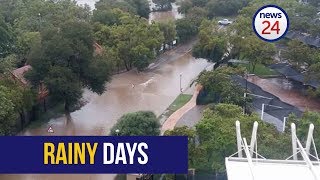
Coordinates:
(239,169)
(253,166)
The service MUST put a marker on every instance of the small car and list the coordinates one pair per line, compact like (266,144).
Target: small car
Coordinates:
(224,22)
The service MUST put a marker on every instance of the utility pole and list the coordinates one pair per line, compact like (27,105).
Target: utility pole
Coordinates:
(284,124)
(245,94)
(262,111)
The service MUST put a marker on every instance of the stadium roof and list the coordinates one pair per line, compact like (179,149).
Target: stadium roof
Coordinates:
(290,73)
(270,99)
(305,38)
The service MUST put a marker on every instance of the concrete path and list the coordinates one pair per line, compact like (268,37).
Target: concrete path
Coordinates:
(171,122)
(192,117)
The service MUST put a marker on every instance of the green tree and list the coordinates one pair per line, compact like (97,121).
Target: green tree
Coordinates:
(108,16)
(217,137)
(8,63)
(219,46)
(314,3)
(299,54)
(133,41)
(7,113)
(186,29)
(302,18)
(23,98)
(64,62)
(191,133)
(197,15)
(224,8)
(163,5)
(302,125)
(219,87)
(35,15)
(213,43)
(136,7)
(63,85)
(185,6)
(199,3)
(142,123)
(25,42)
(257,51)
(5,38)
(142,7)
(169,32)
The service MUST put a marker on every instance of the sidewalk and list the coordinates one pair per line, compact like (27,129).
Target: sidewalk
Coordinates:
(171,122)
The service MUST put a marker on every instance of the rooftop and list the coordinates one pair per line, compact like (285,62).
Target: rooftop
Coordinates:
(238,168)
(20,72)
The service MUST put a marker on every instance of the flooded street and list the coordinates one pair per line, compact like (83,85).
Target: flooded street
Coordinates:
(154,91)
(288,91)
(165,16)
(154,16)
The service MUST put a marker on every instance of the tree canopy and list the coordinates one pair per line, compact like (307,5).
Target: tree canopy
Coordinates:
(64,62)
(142,123)
(217,138)
(219,87)
(163,5)
(132,40)
(213,43)
(5,38)
(136,7)
(7,113)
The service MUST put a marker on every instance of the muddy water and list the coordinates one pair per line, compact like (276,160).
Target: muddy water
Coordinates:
(165,16)
(154,16)
(153,91)
(288,91)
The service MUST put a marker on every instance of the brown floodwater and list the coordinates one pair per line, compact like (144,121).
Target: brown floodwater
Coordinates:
(288,91)
(165,16)
(153,90)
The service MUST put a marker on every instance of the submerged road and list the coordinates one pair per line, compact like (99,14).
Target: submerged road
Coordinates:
(154,90)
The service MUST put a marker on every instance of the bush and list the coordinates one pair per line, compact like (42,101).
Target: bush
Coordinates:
(142,123)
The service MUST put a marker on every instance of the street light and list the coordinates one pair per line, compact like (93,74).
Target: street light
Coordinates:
(180,82)
(246,92)
(117,131)
(39,21)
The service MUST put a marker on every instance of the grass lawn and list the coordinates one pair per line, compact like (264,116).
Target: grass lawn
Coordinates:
(180,101)
(260,70)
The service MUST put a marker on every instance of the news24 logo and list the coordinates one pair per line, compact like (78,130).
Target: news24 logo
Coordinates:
(270,23)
